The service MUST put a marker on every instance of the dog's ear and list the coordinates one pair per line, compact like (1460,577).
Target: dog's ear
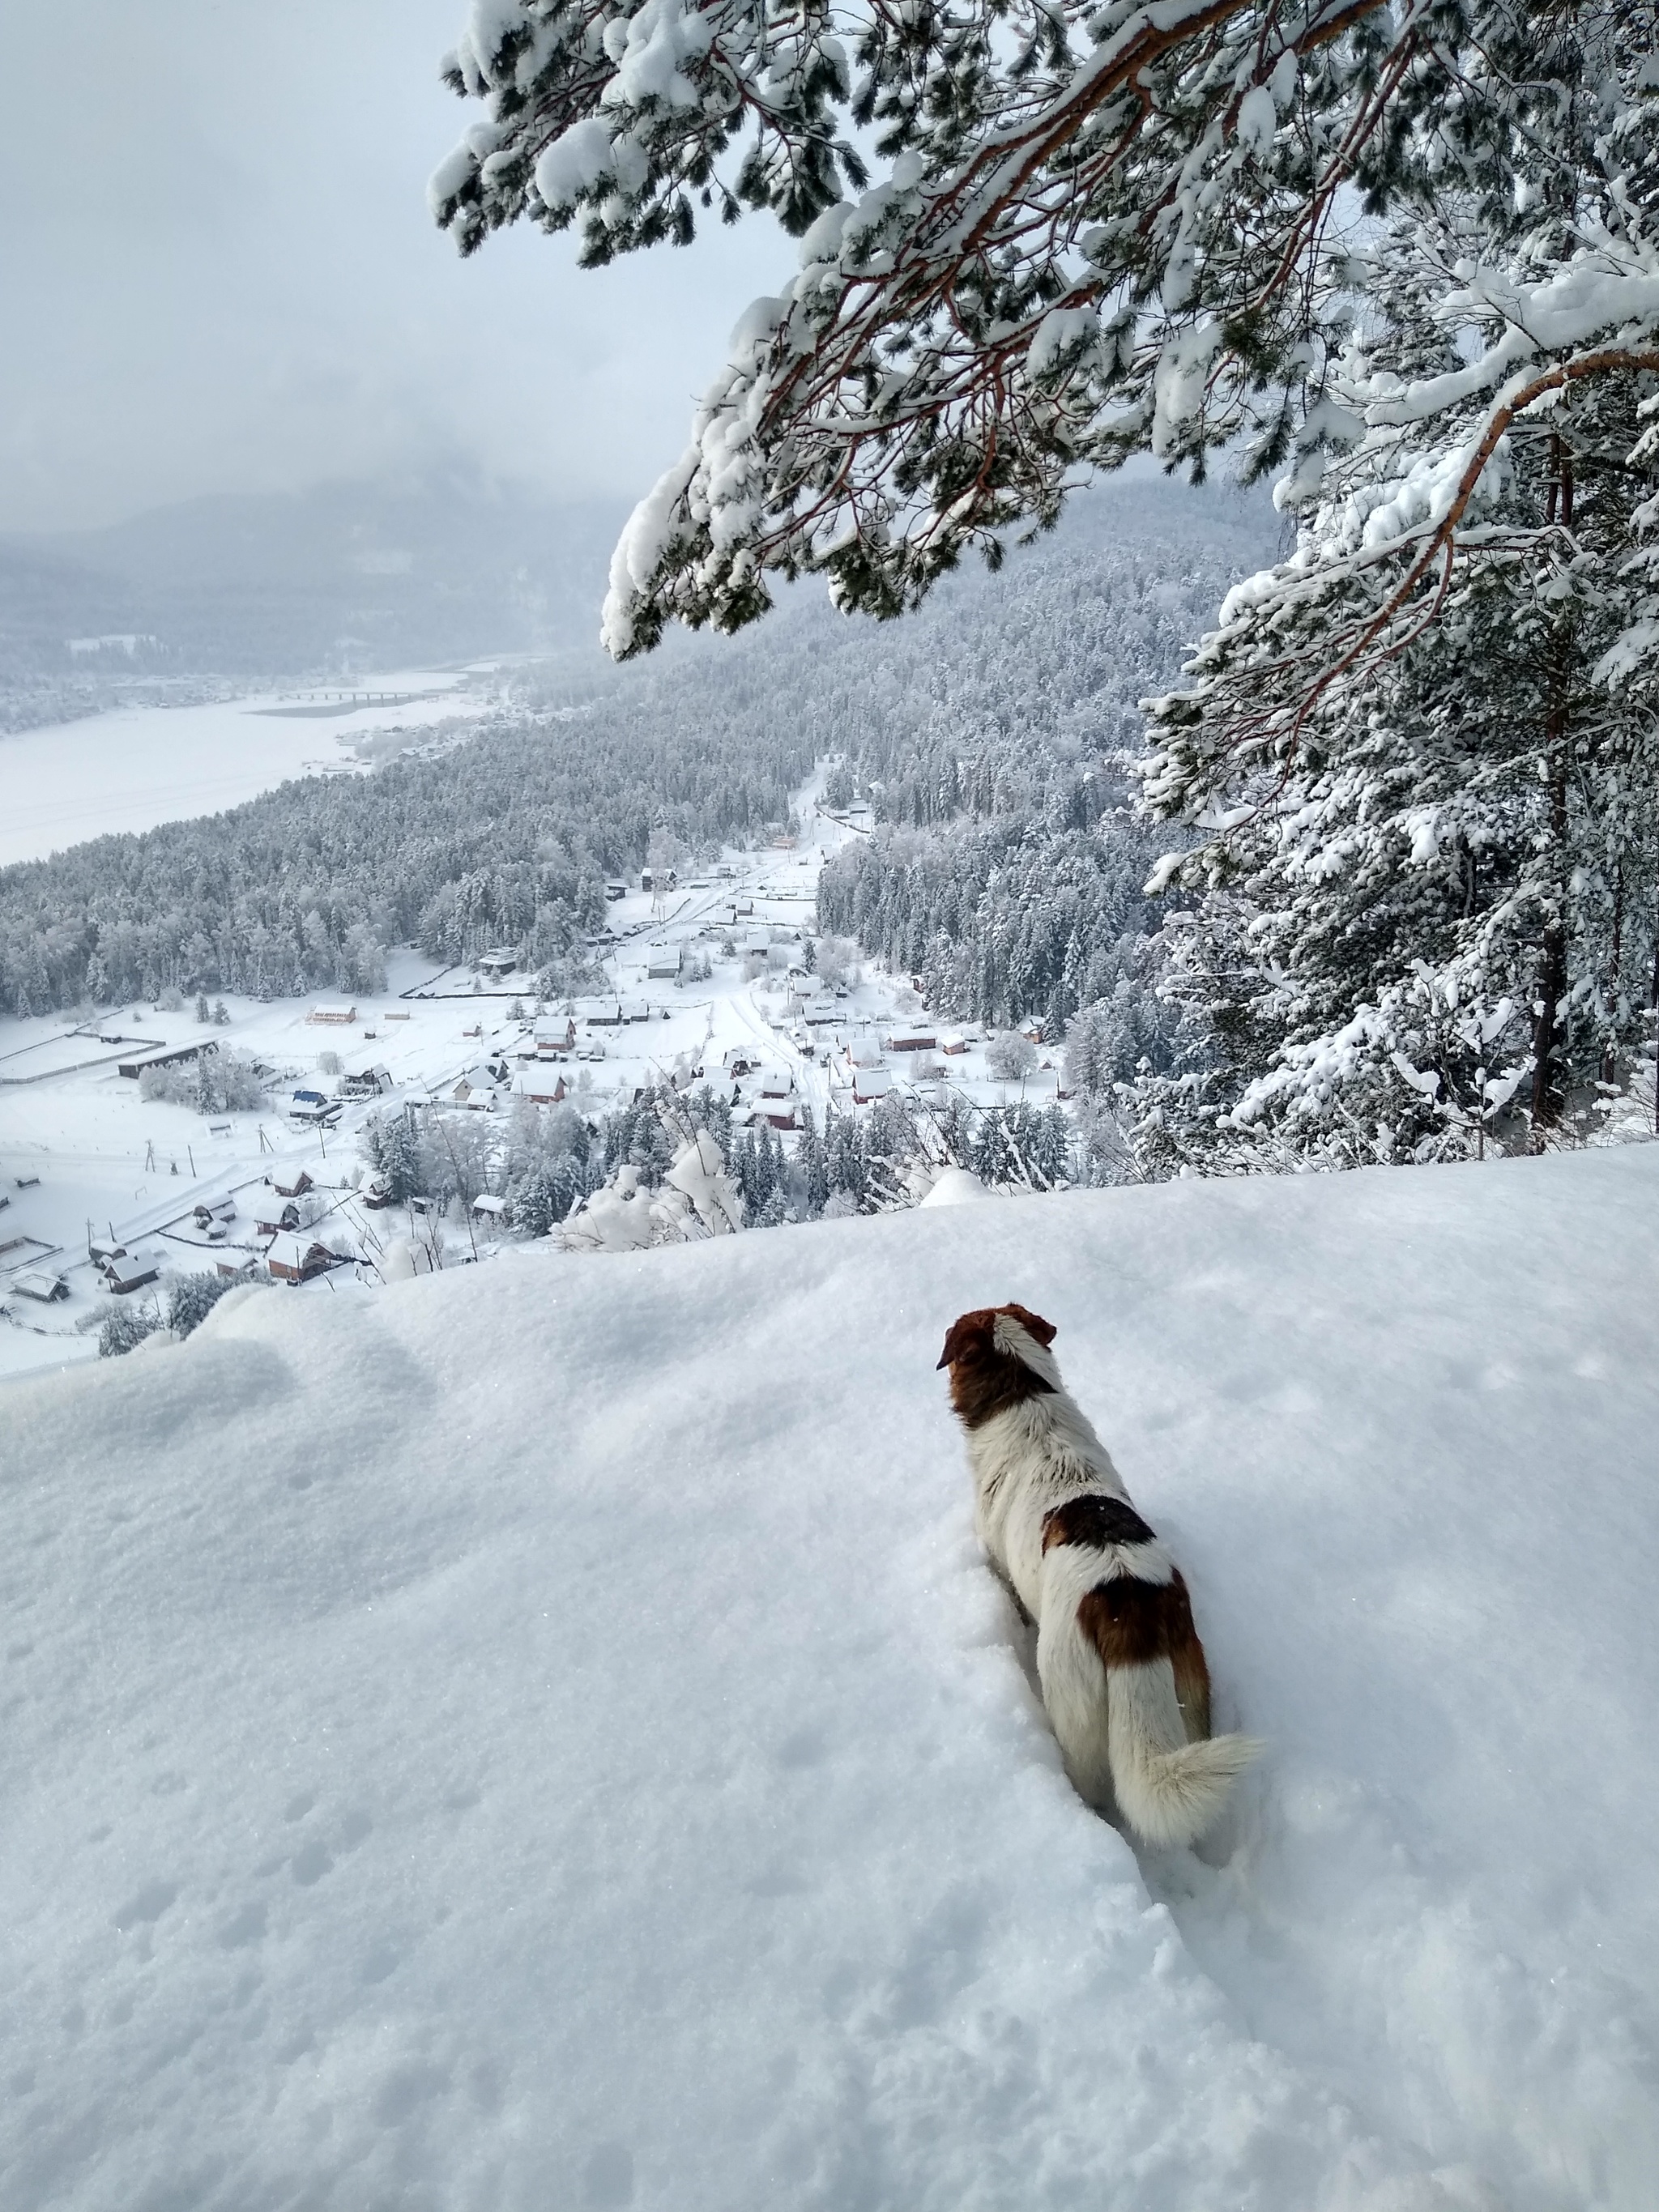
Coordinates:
(967,1334)
(1033,1324)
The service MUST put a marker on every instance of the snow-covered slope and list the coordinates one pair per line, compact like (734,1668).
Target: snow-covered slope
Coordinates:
(540,1736)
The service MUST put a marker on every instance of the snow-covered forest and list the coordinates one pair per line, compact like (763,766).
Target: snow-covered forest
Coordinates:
(1011,699)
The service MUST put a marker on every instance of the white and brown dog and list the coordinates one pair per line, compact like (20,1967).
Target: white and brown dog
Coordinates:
(1122,1671)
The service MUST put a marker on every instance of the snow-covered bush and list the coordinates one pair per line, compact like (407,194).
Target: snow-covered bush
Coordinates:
(191,1299)
(215,1082)
(1010,1058)
(125,1327)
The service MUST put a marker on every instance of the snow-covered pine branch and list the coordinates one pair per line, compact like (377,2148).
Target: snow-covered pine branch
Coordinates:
(1100,230)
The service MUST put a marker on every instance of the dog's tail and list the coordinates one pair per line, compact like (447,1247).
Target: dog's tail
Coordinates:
(1114,1600)
(1168,1790)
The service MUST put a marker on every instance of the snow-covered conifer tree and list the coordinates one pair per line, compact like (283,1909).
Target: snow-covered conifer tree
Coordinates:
(1427,876)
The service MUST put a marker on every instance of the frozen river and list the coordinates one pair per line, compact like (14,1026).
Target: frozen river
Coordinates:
(137,766)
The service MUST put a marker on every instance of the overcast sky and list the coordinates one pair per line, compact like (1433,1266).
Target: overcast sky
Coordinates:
(217,272)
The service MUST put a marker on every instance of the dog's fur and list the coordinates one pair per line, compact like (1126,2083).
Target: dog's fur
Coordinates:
(1122,1671)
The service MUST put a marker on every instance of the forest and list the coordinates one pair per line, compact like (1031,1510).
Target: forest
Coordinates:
(996,727)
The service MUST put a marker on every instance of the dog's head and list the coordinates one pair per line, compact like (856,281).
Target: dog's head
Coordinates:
(998,1355)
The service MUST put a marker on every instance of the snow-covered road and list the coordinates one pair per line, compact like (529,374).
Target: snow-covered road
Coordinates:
(541,1736)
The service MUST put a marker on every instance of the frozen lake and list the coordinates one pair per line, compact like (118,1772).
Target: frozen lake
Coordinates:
(137,766)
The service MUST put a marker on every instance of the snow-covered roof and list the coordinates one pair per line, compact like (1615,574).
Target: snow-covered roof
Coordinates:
(293,1248)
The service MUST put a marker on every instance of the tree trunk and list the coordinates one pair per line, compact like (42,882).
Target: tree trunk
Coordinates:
(1546,1032)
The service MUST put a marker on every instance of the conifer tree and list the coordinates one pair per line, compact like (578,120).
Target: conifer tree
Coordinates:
(1431,876)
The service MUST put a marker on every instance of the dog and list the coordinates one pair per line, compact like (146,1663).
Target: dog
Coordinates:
(1122,1672)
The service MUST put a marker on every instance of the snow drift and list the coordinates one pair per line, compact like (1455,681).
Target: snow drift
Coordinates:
(541,1736)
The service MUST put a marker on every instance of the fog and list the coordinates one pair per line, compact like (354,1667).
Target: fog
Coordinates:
(219,273)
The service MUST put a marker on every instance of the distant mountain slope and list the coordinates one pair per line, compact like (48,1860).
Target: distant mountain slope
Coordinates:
(541,1736)
(342,577)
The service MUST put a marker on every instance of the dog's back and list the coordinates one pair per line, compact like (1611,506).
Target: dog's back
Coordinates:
(1123,1673)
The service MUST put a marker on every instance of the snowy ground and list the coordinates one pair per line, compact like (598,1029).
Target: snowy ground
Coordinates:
(138,766)
(540,1736)
(98,1159)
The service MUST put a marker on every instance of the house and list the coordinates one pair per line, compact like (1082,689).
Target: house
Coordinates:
(662,967)
(494,967)
(739,1060)
(777,1082)
(634,1010)
(476,1090)
(952,1046)
(233,1263)
(863,1052)
(333,1013)
(912,1040)
(297,1258)
(870,1084)
(820,1013)
(487,1207)
(757,944)
(556,1040)
(614,891)
(376,1196)
(780,1112)
(367,1083)
(130,1271)
(101,1250)
(288,1184)
(606,1016)
(171,1058)
(41,1283)
(312,1106)
(547,1089)
(278,1219)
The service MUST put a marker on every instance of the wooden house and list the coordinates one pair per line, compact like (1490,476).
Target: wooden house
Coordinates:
(130,1271)
(297,1258)
(172,1056)
(476,1090)
(541,1089)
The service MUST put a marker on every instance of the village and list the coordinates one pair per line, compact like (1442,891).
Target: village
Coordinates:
(110,1190)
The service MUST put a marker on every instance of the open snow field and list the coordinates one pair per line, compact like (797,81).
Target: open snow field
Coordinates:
(540,1736)
(135,767)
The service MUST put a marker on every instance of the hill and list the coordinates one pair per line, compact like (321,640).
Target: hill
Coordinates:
(542,1736)
(341,578)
